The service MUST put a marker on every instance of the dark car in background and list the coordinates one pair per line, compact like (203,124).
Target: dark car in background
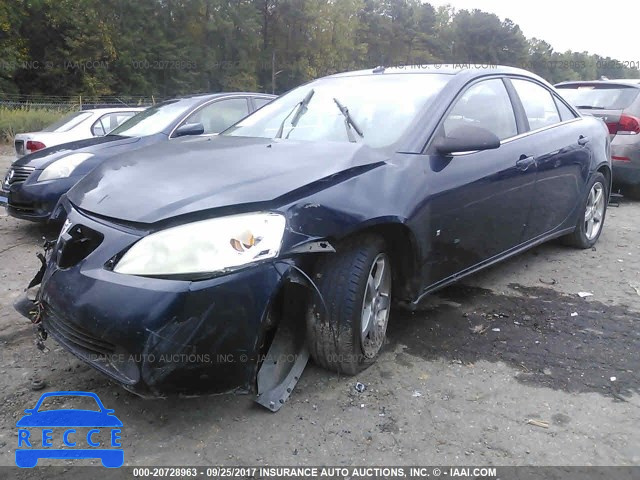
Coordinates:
(34,183)
(617,103)
(292,232)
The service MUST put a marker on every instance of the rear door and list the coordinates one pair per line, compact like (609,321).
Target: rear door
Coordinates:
(479,201)
(559,141)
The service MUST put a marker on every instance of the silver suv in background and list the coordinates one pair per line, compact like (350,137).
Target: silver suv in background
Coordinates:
(617,103)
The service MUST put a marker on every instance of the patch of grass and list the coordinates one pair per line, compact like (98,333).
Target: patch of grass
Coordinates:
(26,119)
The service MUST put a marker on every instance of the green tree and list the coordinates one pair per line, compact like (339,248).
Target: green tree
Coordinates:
(171,47)
(481,37)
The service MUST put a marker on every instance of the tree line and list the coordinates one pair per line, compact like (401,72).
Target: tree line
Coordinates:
(170,47)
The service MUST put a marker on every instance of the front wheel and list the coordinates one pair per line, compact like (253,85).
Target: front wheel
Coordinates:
(591,219)
(346,332)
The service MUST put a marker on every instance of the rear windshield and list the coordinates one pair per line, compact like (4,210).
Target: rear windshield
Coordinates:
(68,122)
(599,97)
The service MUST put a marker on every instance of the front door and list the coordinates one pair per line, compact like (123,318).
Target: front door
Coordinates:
(479,201)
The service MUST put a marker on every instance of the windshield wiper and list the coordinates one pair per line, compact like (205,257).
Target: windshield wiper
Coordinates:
(589,107)
(349,122)
(300,109)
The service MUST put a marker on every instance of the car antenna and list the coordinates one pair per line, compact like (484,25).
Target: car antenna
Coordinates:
(379,69)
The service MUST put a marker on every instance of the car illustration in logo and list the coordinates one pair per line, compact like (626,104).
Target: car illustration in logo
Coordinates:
(32,447)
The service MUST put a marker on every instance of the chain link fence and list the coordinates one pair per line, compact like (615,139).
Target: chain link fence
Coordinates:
(74,102)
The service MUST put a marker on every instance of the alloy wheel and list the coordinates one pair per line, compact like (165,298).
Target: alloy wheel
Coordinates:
(594,211)
(376,306)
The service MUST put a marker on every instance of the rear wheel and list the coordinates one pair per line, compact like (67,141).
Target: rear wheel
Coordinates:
(591,219)
(346,333)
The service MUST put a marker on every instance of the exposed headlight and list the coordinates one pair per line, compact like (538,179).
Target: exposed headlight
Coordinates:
(206,246)
(62,168)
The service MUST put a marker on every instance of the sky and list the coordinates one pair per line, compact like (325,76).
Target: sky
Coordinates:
(609,29)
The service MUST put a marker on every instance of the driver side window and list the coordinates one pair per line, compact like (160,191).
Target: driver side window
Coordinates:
(485,105)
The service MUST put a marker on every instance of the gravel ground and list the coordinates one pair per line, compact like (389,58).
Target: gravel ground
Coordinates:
(459,381)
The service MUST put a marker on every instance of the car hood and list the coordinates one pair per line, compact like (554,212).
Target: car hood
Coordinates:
(195,174)
(108,145)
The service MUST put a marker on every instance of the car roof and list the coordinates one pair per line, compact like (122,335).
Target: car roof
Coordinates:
(459,69)
(207,96)
(194,98)
(623,82)
(200,98)
(114,109)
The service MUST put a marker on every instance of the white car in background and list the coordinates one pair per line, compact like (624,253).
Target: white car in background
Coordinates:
(75,126)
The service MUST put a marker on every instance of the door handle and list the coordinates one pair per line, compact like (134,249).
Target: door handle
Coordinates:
(525,162)
(582,140)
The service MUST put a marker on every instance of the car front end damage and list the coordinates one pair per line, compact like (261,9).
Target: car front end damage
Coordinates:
(241,331)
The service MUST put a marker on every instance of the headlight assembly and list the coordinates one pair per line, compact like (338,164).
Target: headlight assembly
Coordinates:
(206,246)
(62,168)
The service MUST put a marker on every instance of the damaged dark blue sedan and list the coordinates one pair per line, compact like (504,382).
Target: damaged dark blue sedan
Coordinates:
(220,264)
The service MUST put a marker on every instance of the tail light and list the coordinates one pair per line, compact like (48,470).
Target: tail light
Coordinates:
(627,125)
(34,146)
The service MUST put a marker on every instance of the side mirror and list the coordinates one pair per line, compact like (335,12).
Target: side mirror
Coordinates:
(189,129)
(467,139)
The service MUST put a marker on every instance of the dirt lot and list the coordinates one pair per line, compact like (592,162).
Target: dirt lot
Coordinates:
(441,393)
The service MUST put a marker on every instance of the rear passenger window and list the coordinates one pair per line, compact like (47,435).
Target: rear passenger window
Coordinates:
(486,105)
(538,103)
(565,113)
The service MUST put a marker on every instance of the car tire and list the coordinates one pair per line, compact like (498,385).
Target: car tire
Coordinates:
(583,236)
(347,326)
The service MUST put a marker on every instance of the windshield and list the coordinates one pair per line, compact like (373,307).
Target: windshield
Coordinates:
(381,106)
(609,97)
(67,122)
(154,119)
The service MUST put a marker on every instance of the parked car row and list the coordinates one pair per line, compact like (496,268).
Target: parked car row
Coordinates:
(293,232)
(34,183)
